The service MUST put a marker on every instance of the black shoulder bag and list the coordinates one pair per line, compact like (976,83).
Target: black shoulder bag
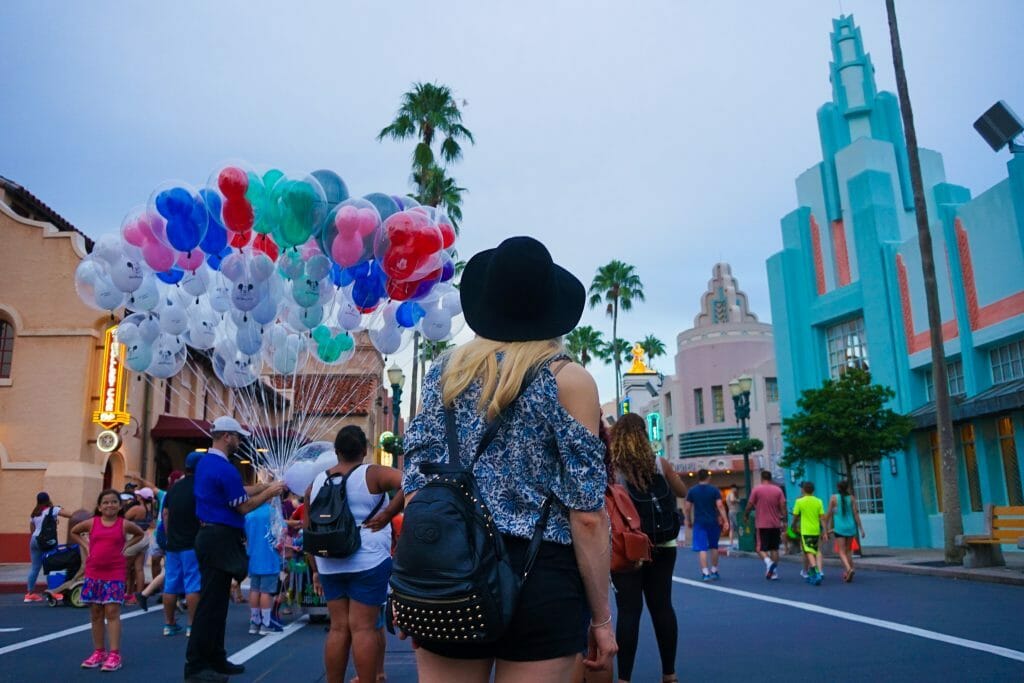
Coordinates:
(452,580)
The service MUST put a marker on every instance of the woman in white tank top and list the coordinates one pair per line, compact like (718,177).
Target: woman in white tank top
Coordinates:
(356,586)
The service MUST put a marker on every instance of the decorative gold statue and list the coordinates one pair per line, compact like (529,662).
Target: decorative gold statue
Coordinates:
(639,367)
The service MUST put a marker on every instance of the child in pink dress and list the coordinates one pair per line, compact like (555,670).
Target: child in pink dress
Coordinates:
(105,573)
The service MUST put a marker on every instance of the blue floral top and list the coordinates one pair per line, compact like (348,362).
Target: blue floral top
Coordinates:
(540,449)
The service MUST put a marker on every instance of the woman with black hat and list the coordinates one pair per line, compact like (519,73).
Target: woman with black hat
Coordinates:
(520,303)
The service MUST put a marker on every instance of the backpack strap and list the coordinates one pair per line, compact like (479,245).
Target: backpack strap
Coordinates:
(344,486)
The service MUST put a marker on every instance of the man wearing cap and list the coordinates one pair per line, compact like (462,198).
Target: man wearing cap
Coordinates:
(181,571)
(221,504)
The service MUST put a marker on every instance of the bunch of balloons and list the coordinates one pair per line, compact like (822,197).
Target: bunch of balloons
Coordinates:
(263,271)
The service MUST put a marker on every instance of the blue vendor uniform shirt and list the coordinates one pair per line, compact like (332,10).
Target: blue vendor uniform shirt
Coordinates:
(218,491)
(263,559)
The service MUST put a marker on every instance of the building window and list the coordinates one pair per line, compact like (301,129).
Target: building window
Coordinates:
(1007,362)
(954,380)
(771,390)
(167,395)
(6,348)
(698,406)
(668,404)
(847,347)
(970,457)
(717,404)
(867,487)
(1011,466)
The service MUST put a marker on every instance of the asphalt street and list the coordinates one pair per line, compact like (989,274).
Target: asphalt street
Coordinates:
(882,627)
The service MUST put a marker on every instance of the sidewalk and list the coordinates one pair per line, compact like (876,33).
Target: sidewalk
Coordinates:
(923,561)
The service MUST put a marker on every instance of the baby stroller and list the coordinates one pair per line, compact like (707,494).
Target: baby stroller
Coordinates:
(66,561)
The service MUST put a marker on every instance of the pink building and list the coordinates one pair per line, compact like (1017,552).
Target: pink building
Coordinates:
(725,342)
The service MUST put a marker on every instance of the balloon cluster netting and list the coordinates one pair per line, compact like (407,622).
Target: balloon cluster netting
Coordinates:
(267,279)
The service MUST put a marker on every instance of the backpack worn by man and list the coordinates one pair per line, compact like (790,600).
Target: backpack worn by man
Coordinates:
(659,516)
(47,538)
(333,531)
(631,547)
(452,580)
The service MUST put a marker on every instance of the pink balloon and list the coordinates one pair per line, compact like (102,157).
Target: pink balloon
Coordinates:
(159,256)
(191,261)
(309,249)
(347,250)
(366,222)
(134,234)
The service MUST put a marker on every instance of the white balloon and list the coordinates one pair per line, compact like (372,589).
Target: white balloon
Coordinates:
(126,269)
(147,296)
(202,326)
(387,340)
(349,317)
(196,282)
(249,337)
(220,293)
(436,325)
(173,317)
(169,355)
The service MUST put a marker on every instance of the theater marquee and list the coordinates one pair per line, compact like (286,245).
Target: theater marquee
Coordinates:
(112,408)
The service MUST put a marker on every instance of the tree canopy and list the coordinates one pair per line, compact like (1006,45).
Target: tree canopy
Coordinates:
(584,343)
(844,421)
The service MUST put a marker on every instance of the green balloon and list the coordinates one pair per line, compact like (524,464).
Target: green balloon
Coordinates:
(330,351)
(300,209)
(263,207)
(321,334)
(346,342)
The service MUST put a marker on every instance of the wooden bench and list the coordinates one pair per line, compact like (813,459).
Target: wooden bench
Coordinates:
(1005,527)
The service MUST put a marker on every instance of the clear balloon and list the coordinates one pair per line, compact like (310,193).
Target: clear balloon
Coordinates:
(169,356)
(94,286)
(350,232)
(301,207)
(184,212)
(234,368)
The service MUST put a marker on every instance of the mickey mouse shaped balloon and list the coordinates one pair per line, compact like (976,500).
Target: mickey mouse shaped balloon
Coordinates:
(249,274)
(185,214)
(409,246)
(350,232)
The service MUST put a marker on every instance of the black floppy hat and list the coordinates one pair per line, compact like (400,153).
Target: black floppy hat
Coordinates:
(515,292)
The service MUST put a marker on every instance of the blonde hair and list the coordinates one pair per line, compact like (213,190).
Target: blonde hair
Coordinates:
(632,455)
(478,359)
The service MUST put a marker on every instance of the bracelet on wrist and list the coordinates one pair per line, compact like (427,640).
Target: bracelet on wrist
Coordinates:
(603,623)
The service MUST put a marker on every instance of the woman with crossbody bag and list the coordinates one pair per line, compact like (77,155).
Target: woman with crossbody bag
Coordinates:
(541,476)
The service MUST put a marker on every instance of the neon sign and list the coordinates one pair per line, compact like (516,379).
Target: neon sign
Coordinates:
(112,408)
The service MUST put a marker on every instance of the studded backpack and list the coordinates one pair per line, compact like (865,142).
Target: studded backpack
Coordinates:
(452,580)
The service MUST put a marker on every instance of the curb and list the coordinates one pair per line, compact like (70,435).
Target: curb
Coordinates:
(867,563)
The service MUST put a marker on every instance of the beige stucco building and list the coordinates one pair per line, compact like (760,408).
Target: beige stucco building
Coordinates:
(52,363)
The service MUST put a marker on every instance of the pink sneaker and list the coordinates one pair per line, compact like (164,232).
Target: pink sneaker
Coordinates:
(94,660)
(33,597)
(112,663)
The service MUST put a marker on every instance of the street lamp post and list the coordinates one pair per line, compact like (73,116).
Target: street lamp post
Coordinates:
(397,380)
(740,389)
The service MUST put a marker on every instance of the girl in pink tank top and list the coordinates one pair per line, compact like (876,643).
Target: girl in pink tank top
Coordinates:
(105,570)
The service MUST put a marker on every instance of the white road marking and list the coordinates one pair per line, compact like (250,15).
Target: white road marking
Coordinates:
(247,653)
(997,650)
(66,632)
(10,630)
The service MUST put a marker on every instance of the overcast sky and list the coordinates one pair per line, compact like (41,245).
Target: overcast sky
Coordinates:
(665,134)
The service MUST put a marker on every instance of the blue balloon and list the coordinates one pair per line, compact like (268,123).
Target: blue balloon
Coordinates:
(216,237)
(334,187)
(338,275)
(447,270)
(409,313)
(186,218)
(172,276)
(384,204)
(368,284)
(214,260)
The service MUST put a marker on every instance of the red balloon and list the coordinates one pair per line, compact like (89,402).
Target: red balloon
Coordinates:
(241,239)
(447,235)
(415,289)
(238,215)
(411,242)
(265,244)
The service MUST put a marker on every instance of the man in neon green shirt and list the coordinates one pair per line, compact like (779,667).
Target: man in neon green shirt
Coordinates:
(808,513)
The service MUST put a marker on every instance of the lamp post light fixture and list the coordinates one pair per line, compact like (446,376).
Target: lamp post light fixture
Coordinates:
(740,390)
(397,380)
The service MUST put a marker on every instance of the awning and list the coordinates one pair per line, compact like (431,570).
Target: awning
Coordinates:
(996,399)
(171,427)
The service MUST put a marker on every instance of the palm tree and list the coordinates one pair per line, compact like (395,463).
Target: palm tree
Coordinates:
(584,343)
(425,112)
(952,521)
(617,351)
(430,351)
(617,285)
(653,346)
(441,191)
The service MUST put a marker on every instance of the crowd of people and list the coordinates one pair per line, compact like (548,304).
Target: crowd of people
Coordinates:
(522,424)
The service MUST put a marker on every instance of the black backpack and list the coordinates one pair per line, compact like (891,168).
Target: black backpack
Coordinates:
(452,580)
(333,531)
(659,516)
(47,538)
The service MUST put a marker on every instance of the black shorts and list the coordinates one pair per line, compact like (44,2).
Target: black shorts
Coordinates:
(551,618)
(810,543)
(769,539)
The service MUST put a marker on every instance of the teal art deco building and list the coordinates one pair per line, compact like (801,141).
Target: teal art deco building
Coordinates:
(847,289)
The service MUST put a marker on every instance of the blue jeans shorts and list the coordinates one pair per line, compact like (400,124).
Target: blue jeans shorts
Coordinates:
(369,587)
(263,583)
(705,536)
(181,573)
